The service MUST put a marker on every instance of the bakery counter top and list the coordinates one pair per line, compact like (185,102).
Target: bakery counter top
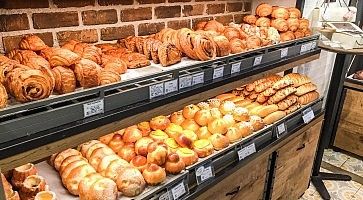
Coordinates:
(340,50)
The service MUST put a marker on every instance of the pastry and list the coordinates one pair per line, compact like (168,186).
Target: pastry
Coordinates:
(21,173)
(116,65)
(292,108)
(261,98)
(229,120)
(157,152)
(105,162)
(294,13)
(280,24)
(200,25)
(286,36)
(245,128)
(94,186)
(257,123)
(127,152)
(218,125)
(172,145)
(8,189)
(236,99)
(190,134)
(304,24)
(106,138)
(244,103)
(115,167)
(297,79)
(219,141)
(186,36)
(159,123)
(281,94)
(190,110)
(70,44)
(188,156)
(177,117)
(273,117)
(282,83)
(131,135)
(108,77)
(233,134)
(87,73)
(139,162)
(303,89)
(203,133)
(135,60)
(32,42)
(144,127)
(263,10)
(168,54)
(227,107)
(214,25)
(67,170)
(251,106)
(237,45)
(204,47)
(116,142)
(31,186)
(226,96)
(203,147)
(250,19)
(130,182)
(203,105)
(63,57)
(307,32)
(68,160)
(231,32)
(266,110)
(293,24)
(93,147)
(253,42)
(173,129)
(241,114)
(214,103)
(45,195)
(287,102)
(3,97)
(280,13)
(308,97)
(173,164)
(142,144)
(158,135)
(154,174)
(203,117)
(65,80)
(223,47)
(98,154)
(263,22)
(190,124)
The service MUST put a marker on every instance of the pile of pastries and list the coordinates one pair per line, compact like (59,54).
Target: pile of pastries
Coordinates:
(358,75)
(287,21)
(28,185)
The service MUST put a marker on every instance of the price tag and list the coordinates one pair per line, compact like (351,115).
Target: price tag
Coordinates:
(241,154)
(246,151)
(257,60)
(204,173)
(313,45)
(93,108)
(308,115)
(171,86)
(198,78)
(156,90)
(281,129)
(236,68)
(284,52)
(218,72)
(185,81)
(178,190)
(164,196)
(303,48)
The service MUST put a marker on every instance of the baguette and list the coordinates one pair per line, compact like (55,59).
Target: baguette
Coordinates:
(287,102)
(281,94)
(308,97)
(292,108)
(306,88)
(236,99)
(273,117)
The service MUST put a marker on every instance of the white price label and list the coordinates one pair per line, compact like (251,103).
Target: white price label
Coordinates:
(156,90)
(207,173)
(284,52)
(241,154)
(236,67)
(198,78)
(313,45)
(281,129)
(93,108)
(308,115)
(178,191)
(257,60)
(218,72)
(251,149)
(305,47)
(171,86)
(246,151)
(185,81)
(164,196)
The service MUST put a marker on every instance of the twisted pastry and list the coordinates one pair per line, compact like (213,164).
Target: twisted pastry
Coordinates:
(3,96)
(130,43)
(280,24)
(168,36)
(293,24)
(186,41)
(238,45)
(63,57)
(168,54)
(263,10)
(159,35)
(87,73)
(28,84)
(289,35)
(223,48)
(250,19)
(115,64)
(231,33)
(204,47)
(32,42)
(135,60)
(282,13)
(108,77)
(65,80)
(70,44)
(294,13)
(253,42)
(263,22)
(214,25)
(154,51)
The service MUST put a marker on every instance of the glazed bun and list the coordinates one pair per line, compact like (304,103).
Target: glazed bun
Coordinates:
(203,117)
(203,133)
(157,152)
(159,123)
(142,144)
(144,127)
(154,174)
(203,148)
(139,162)
(173,129)
(190,134)
(132,134)
(174,165)
(188,156)
(177,118)
(217,126)
(190,110)
(158,135)
(172,145)
(219,141)
(190,124)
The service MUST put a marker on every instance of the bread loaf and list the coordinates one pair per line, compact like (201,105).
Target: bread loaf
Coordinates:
(308,97)
(292,108)
(273,117)
(287,102)
(282,84)
(281,94)
(303,89)
(297,79)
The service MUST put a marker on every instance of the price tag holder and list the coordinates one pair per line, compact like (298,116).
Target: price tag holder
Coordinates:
(236,67)
(246,151)
(306,47)
(218,72)
(185,82)
(164,196)
(171,86)
(308,115)
(178,190)
(156,90)
(204,173)
(284,52)
(281,129)
(258,60)
(93,108)
(198,78)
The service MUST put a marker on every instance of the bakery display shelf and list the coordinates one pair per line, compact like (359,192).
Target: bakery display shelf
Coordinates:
(353,83)
(62,136)
(141,85)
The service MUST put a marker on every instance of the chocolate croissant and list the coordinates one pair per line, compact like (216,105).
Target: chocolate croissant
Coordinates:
(223,46)
(87,73)
(280,12)
(264,10)
(168,54)
(32,42)
(20,55)
(108,77)
(280,24)
(88,51)
(263,22)
(65,80)
(63,57)
(3,96)
(250,19)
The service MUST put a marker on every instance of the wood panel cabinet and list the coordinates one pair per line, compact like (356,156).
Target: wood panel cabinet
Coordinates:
(294,165)
(349,135)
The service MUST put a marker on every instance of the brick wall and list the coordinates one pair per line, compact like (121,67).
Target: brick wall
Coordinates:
(56,21)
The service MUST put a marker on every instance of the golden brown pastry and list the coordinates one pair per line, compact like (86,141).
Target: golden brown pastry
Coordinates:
(203,147)
(204,47)
(168,54)
(154,174)
(238,45)
(183,140)
(297,79)
(281,94)
(299,34)
(263,10)
(177,117)
(292,108)
(241,114)
(172,145)
(87,73)
(135,60)
(174,165)
(157,152)
(286,36)
(225,96)
(108,77)
(45,195)
(3,97)
(219,141)
(203,133)
(307,32)
(227,107)
(70,44)
(304,24)
(245,128)
(144,127)
(273,117)
(233,134)
(65,80)
(159,123)
(223,46)
(280,13)
(173,129)
(31,186)
(293,24)
(266,110)
(231,32)
(216,114)
(95,186)
(214,25)
(253,42)
(139,162)
(188,156)
(116,142)
(32,42)
(218,125)
(131,134)
(105,162)
(282,83)
(186,37)
(142,144)
(130,182)
(294,13)
(63,57)
(190,111)
(21,173)
(280,24)
(98,154)
(68,160)
(303,89)
(263,22)
(127,152)
(115,64)
(190,124)
(200,25)
(250,19)
(158,135)
(214,103)
(287,102)
(8,189)
(308,97)
(203,117)
(257,123)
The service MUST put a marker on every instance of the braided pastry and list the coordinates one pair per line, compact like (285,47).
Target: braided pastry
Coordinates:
(87,73)
(32,42)
(280,24)
(282,13)
(250,19)
(264,10)
(63,57)
(65,80)
(263,22)
(237,45)
(168,54)
(108,77)
(3,96)
(308,97)
(294,13)
(223,47)
(286,36)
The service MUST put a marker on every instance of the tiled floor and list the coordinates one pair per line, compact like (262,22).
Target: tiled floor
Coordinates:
(339,190)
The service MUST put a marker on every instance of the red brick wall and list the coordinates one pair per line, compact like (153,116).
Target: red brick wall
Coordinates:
(56,21)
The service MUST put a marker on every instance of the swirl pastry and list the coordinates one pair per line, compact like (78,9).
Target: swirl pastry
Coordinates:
(154,51)
(63,57)
(280,12)
(263,22)
(231,33)
(264,10)
(159,35)
(253,42)
(293,24)
(204,47)
(294,13)
(115,64)
(108,77)
(6,65)
(135,60)
(29,84)
(237,45)
(168,54)
(213,25)
(280,24)
(168,36)
(65,80)
(3,96)
(87,73)
(250,19)
(304,24)
(32,42)
(186,37)
(286,36)
(223,47)
(70,44)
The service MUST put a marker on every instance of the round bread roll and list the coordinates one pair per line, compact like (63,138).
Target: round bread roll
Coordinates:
(203,148)
(116,142)
(190,110)
(139,162)
(98,154)
(219,141)
(85,186)
(104,189)
(216,114)
(227,107)
(144,127)
(173,129)
(105,162)
(130,182)
(190,124)
(62,155)
(127,152)
(132,134)
(228,118)
(154,174)
(75,176)
(233,134)
(157,153)
(158,135)
(183,140)
(174,165)
(217,126)
(159,123)
(203,133)
(188,156)
(177,117)
(263,10)
(203,117)
(214,103)
(190,134)
(142,144)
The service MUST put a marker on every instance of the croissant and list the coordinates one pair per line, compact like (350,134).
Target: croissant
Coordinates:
(65,80)
(286,36)
(294,13)
(32,42)
(70,44)
(147,47)
(130,43)
(282,13)
(63,57)
(107,46)
(263,22)
(223,47)
(87,73)
(92,53)
(238,45)
(307,32)
(6,65)
(293,24)
(213,25)
(253,42)
(168,54)
(46,53)
(108,77)
(186,36)
(135,60)
(250,19)
(231,33)
(21,55)
(299,34)
(280,24)
(264,10)
(159,35)
(204,47)
(28,84)
(200,26)
(115,64)
(139,43)
(3,96)
(304,24)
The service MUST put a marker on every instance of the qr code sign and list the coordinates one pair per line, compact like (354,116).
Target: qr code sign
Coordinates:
(93,108)
(156,90)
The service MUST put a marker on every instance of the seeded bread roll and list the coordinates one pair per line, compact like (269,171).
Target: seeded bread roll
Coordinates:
(273,117)
(308,97)
(303,89)
(287,102)
(281,94)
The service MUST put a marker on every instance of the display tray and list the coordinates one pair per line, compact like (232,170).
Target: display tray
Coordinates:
(139,85)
